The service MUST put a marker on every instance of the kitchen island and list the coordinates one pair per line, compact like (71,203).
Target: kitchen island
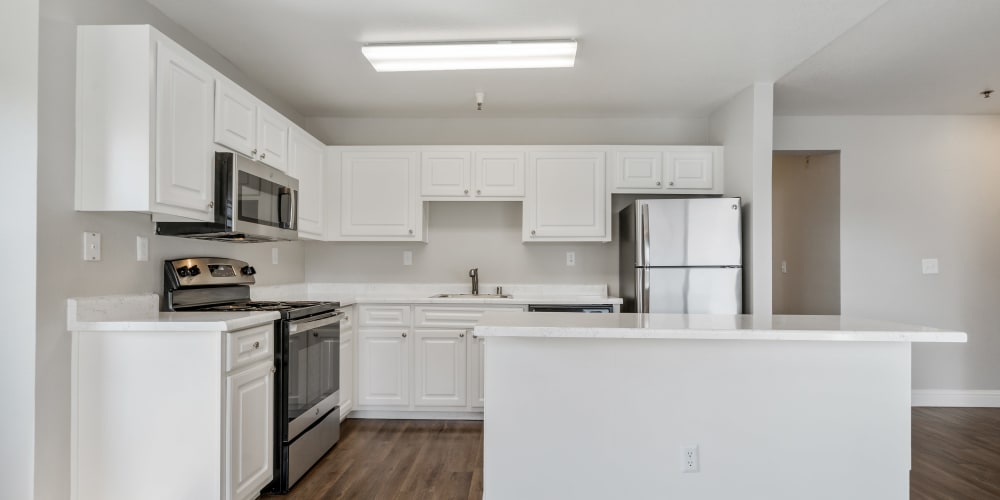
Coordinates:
(777,407)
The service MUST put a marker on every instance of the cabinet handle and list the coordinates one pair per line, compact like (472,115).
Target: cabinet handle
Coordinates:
(479,191)
(466,191)
(273,369)
(347,318)
(461,335)
(671,183)
(475,336)
(254,152)
(411,231)
(262,155)
(211,204)
(658,183)
(256,345)
(404,335)
(532,232)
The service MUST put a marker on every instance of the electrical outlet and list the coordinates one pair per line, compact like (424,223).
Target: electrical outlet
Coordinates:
(141,248)
(689,459)
(92,246)
(570,258)
(407,258)
(784,266)
(929,266)
(274,255)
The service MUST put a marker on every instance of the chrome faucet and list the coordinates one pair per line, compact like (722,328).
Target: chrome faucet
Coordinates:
(474,274)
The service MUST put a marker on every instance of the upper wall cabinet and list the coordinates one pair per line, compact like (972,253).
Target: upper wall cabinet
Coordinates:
(668,170)
(143,124)
(305,163)
(566,197)
(467,175)
(379,195)
(245,124)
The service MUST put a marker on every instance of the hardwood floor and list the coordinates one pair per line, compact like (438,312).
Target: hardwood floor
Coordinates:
(956,455)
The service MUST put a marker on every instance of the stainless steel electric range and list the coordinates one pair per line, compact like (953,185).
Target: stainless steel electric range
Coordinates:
(307,355)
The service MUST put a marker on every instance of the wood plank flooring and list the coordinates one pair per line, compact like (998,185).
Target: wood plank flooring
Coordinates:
(956,455)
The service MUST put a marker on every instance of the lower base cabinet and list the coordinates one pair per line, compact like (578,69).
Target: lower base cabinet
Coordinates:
(439,366)
(383,367)
(250,459)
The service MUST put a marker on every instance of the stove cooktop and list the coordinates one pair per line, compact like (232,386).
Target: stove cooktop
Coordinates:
(264,306)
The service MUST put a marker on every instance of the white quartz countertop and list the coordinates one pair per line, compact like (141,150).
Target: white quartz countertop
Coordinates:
(423,293)
(140,313)
(515,300)
(707,327)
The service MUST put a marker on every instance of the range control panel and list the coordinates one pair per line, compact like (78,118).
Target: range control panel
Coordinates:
(207,271)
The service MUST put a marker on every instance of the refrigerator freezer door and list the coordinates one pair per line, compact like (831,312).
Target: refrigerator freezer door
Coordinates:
(688,232)
(691,290)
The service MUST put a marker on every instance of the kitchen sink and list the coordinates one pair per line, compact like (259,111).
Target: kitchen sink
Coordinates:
(470,296)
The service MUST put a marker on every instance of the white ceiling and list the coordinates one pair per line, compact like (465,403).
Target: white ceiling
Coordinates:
(635,57)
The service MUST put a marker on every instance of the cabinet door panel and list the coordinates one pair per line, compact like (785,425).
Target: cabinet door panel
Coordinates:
(477,355)
(383,367)
(379,195)
(305,163)
(566,196)
(184,156)
(440,371)
(250,436)
(499,174)
(272,138)
(445,174)
(346,372)
(235,118)
(689,169)
(639,169)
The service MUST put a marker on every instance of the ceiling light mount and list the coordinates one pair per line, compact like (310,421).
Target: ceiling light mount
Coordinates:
(987,93)
(499,54)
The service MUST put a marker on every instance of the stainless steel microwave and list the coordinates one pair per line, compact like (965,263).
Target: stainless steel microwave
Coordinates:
(253,202)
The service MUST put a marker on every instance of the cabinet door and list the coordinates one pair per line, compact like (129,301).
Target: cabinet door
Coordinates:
(445,174)
(499,175)
(235,118)
(272,138)
(346,369)
(184,156)
(566,197)
(440,371)
(690,169)
(638,169)
(477,355)
(250,431)
(383,367)
(379,195)
(305,157)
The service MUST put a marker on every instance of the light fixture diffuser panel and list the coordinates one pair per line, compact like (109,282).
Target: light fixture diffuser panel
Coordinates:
(471,55)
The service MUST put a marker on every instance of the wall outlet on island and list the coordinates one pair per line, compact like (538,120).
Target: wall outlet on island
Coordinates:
(689,459)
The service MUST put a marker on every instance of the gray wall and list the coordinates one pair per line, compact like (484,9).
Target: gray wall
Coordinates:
(19,143)
(806,233)
(914,187)
(62,273)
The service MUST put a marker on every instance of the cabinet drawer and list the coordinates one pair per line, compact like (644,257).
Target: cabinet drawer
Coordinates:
(384,316)
(245,347)
(453,317)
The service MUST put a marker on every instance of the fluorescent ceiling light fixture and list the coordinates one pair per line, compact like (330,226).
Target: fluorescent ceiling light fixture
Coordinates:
(471,55)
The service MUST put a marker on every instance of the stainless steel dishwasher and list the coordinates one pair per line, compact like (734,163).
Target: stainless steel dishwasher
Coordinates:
(579,308)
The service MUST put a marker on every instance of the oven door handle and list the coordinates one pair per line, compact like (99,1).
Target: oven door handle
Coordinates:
(313,323)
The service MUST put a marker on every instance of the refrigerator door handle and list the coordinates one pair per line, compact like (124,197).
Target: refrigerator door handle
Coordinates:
(645,290)
(645,235)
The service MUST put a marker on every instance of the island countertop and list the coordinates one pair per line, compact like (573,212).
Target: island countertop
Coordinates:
(707,327)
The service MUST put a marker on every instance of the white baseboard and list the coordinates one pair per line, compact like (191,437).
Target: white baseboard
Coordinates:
(947,397)
(416,415)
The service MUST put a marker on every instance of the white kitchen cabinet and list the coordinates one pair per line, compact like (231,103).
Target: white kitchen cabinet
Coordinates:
(440,368)
(250,430)
(305,163)
(144,124)
(472,175)
(477,358)
(379,196)
(383,366)
(566,197)
(347,356)
(246,125)
(668,170)
(172,414)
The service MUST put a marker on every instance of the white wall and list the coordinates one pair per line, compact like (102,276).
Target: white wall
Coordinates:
(806,233)
(61,271)
(744,126)
(19,143)
(914,187)
(408,131)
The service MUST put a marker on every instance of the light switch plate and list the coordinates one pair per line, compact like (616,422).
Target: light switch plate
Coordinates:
(91,246)
(929,266)
(407,258)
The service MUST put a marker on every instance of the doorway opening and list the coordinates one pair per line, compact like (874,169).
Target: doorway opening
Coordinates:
(806,232)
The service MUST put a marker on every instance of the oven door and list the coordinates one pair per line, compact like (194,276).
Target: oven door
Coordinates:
(312,373)
(264,200)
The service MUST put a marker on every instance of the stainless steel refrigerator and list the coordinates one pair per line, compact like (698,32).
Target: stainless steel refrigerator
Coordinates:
(681,256)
